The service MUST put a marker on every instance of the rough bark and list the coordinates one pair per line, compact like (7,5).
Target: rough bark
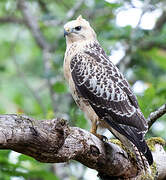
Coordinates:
(156,114)
(54,141)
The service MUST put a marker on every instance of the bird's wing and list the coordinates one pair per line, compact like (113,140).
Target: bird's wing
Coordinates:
(100,82)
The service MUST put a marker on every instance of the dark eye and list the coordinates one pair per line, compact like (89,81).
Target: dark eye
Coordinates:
(78,28)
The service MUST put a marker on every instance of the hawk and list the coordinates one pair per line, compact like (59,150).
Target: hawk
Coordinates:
(101,91)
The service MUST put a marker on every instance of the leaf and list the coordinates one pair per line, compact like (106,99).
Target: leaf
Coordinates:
(159,56)
(60,87)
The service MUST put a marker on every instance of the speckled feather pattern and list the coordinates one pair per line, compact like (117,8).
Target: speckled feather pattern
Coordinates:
(100,89)
(93,70)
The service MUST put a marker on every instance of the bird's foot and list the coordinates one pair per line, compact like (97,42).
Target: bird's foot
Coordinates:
(101,137)
(94,131)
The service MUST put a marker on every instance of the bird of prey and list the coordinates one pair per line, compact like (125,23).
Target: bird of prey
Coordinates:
(101,91)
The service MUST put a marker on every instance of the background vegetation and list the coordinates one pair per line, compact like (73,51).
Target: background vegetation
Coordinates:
(32,48)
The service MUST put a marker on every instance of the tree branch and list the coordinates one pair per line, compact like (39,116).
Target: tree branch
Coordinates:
(74,9)
(69,15)
(46,47)
(156,114)
(149,44)
(24,79)
(53,141)
(43,6)
(47,56)
(160,22)
(31,22)
(143,43)
(10,19)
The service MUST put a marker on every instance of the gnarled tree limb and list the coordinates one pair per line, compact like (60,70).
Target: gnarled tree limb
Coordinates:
(156,114)
(53,141)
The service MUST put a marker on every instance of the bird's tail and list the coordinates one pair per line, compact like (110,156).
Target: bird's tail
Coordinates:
(141,160)
(133,140)
(148,155)
(145,154)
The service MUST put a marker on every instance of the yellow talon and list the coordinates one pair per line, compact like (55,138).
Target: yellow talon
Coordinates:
(93,130)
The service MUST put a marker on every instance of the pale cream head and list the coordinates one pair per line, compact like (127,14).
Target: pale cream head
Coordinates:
(78,30)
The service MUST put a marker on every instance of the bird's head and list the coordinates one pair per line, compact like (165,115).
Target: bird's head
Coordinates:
(78,30)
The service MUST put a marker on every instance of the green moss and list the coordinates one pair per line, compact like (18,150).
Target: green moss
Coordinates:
(50,114)
(151,176)
(117,142)
(151,143)
(154,169)
(147,177)
(155,140)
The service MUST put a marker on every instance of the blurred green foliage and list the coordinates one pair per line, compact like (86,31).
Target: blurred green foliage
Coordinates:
(24,78)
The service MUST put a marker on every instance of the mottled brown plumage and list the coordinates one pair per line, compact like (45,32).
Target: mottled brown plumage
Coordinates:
(100,90)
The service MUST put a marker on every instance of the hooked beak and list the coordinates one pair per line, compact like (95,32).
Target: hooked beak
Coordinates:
(67,31)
